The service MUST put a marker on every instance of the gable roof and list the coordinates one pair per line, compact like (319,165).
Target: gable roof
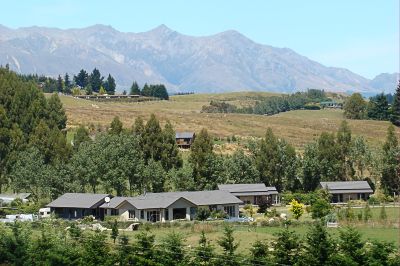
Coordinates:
(347,187)
(248,189)
(165,199)
(184,135)
(78,200)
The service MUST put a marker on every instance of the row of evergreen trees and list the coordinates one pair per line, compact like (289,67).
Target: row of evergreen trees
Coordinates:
(20,247)
(152,90)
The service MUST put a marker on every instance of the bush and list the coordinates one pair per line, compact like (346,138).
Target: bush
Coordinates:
(264,204)
(320,208)
(202,214)
(373,200)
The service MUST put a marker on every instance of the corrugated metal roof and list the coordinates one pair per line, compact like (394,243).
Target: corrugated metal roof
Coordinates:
(165,199)
(77,200)
(184,135)
(250,189)
(347,186)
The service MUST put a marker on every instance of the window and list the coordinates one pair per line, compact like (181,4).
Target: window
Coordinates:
(114,212)
(141,214)
(230,210)
(213,207)
(153,216)
(131,214)
(166,214)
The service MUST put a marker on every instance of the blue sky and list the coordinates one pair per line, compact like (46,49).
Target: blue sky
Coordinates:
(361,35)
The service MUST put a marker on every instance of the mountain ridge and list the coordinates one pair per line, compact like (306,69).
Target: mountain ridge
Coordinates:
(225,61)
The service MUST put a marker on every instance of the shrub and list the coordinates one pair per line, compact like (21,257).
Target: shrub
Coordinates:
(202,214)
(373,200)
(297,209)
(320,208)
(264,204)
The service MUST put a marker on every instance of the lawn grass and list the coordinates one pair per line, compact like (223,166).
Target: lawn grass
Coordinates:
(184,111)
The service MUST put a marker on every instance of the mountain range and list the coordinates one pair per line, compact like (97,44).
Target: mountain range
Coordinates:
(227,61)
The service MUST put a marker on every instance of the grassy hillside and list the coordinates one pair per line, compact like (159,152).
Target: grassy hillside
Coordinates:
(298,127)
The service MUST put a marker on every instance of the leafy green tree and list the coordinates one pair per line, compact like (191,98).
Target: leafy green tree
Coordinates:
(379,253)
(241,168)
(152,140)
(354,107)
(286,248)
(110,85)
(391,160)
(102,91)
(296,208)
(145,245)
(89,89)
(82,79)
(114,230)
(229,247)
(367,215)
(170,157)
(204,253)
(180,179)
(95,80)
(153,177)
(310,167)
(135,90)
(138,127)
(344,145)
(56,113)
(330,164)
(320,208)
(378,107)
(81,136)
(360,156)
(395,110)
(116,126)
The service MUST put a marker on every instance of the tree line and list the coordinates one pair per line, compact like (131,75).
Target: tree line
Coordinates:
(274,104)
(75,247)
(152,90)
(379,107)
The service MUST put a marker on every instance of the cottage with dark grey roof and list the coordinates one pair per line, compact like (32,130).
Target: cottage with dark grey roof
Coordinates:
(184,140)
(252,193)
(343,191)
(168,206)
(78,205)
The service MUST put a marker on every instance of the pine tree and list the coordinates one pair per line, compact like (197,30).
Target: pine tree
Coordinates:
(318,246)
(95,80)
(153,140)
(229,246)
(135,90)
(146,90)
(116,126)
(378,107)
(110,85)
(114,230)
(56,113)
(60,84)
(82,79)
(204,252)
(344,145)
(67,84)
(395,111)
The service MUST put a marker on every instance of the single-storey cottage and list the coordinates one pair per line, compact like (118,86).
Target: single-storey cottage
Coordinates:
(343,191)
(252,193)
(79,205)
(168,206)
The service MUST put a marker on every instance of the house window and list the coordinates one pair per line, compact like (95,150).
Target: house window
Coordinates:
(213,207)
(141,214)
(131,214)
(153,216)
(230,210)
(114,212)
(166,214)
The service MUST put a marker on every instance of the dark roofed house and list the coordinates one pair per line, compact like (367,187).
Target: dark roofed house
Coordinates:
(78,205)
(168,206)
(252,193)
(184,140)
(343,191)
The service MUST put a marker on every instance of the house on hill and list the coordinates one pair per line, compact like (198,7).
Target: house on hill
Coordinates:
(184,140)
(79,205)
(168,206)
(343,191)
(252,193)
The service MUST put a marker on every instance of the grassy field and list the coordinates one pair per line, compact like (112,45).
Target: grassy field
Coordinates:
(298,127)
